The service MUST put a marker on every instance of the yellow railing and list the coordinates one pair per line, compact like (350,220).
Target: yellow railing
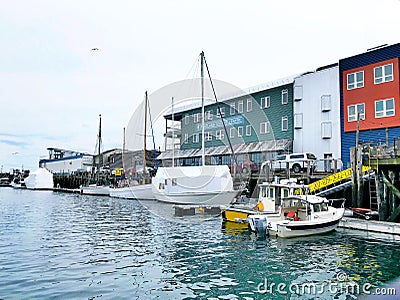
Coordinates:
(334,178)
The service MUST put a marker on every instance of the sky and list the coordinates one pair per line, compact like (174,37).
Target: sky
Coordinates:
(53,86)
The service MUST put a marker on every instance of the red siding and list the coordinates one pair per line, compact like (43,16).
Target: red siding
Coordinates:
(369,94)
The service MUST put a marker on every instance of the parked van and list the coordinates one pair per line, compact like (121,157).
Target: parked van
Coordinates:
(295,161)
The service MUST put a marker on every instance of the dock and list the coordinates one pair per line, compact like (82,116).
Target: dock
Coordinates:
(370,225)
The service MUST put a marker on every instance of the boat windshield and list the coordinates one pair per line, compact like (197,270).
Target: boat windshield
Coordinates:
(318,207)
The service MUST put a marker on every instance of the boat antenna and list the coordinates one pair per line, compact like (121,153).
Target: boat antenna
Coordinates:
(222,119)
(202,109)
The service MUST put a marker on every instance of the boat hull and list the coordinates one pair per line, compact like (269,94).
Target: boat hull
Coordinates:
(203,198)
(95,190)
(133,192)
(298,230)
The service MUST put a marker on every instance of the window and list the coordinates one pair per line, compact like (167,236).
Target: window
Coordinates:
(298,92)
(195,138)
(285,123)
(240,131)
(384,108)
(265,102)
(355,80)
(207,136)
(354,110)
(232,105)
(298,120)
(249,105)
(325,102)
(240,107)
(284,96)
(219,134)
(196,118)
(220,112)
(326,130)
(186,139)
(186,119)
(264,127)
(208,115)
(248,130)
(383,74)
(232,132)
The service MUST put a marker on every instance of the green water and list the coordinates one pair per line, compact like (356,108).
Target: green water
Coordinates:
(67,246)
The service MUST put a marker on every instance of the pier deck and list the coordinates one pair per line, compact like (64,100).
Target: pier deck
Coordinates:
(369,225)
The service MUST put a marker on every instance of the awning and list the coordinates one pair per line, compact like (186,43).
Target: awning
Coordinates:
(266,146)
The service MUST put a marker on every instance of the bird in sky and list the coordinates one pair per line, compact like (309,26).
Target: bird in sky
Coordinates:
(94,49)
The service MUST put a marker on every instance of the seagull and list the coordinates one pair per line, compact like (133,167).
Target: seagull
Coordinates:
(94,49)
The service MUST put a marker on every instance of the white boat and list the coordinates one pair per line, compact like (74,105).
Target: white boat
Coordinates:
(97,188)
(268,201)
(41,179)
(134,189)
(208,185)
(18,183)
(204,184)
(300,215)
(139,191)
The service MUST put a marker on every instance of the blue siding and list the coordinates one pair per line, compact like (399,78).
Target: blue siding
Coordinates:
(374,136)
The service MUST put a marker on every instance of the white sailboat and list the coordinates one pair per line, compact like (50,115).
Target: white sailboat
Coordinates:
(97,188)
(136,190)
(197,185)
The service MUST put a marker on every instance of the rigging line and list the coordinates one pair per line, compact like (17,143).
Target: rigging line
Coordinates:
(223,122)
(152,134)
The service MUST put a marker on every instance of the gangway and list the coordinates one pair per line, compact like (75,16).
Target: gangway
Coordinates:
(335,182)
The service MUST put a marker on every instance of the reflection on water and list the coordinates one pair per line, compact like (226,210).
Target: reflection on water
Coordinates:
(73,246)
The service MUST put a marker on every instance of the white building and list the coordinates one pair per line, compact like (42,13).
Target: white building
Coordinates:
(316,109)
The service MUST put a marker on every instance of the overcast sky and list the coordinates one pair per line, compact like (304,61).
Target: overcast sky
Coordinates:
(53,86)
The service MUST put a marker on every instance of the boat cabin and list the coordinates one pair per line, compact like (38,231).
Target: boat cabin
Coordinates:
(301,208)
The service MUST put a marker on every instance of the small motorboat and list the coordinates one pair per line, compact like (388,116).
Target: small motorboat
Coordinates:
(365,213)
(299,215)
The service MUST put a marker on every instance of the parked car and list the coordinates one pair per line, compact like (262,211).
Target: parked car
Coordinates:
(295,161)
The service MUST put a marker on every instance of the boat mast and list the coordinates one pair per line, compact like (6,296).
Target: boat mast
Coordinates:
(99,151)
(173,132)
(203,161)
(144,135)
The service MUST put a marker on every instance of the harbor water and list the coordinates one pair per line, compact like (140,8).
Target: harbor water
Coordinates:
(68,246)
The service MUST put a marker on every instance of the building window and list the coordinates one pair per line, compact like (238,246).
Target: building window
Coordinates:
(186,119)
(264,127)
(196,118)
(208,115)
(326,130)
(232,132)
(355,80)
(240,107)
(298,120)
(354,110)
(326,103)
(383,74)
(384,108)
(232,105)
(248,130)
(195,138)
(265,102)
(220,112)
(249,105)
(186,139)
(207,136)
(285,96)
(240,131)
(298,92)
(285,123)
(219,134)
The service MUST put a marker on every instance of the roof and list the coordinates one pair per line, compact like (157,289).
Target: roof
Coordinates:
(264,146)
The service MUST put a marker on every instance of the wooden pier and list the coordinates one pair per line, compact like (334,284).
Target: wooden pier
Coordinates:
(370,226)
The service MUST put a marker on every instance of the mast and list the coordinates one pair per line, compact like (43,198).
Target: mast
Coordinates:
(203,161)
(99,151)
(123,152)
(144,136)
(173,133)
